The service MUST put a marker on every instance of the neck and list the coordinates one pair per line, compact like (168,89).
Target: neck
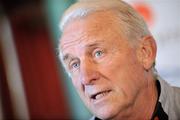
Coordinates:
(146,101)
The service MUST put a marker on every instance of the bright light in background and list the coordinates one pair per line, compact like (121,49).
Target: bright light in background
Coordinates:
(163,20)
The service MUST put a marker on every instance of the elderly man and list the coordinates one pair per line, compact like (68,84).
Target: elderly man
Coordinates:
(109,53)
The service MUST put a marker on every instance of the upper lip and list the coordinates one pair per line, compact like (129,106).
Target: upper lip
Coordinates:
(92,96)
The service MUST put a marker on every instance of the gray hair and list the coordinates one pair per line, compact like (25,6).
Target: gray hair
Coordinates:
(133,25)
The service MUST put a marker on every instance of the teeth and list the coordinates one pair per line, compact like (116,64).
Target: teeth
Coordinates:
(98,96)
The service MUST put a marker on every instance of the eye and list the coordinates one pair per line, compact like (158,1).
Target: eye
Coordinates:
(98,53)
(74,65)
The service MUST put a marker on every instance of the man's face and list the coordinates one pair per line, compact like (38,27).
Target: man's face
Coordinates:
(103,65)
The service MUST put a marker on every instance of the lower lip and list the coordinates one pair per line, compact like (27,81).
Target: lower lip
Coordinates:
(102,99)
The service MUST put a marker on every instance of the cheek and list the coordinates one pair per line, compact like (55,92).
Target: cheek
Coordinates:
(125,74)
(130,80)
(76,84)
(80,90)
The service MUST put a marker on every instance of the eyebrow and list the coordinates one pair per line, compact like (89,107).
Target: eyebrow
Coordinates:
(94,44)
(68,56)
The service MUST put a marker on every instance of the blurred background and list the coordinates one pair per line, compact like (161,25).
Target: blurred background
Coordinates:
(33,84)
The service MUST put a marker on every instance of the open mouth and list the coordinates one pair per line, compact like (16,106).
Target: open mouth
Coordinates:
(99,95)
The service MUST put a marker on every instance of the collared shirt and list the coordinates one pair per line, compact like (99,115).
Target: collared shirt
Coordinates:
(168,104)
(170,99)
(159,113)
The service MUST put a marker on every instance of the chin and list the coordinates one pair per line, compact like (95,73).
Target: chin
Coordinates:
(106,112)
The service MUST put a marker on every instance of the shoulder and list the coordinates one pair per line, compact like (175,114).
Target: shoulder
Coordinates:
(169,98)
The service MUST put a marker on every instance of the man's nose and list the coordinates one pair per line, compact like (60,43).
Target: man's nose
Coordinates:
(88,73)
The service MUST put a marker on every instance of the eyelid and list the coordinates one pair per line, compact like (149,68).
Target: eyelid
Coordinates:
(96,50)
(73,62)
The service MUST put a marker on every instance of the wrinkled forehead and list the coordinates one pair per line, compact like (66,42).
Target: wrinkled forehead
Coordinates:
(94,24)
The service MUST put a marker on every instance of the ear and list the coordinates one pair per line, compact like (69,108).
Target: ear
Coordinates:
(147,52)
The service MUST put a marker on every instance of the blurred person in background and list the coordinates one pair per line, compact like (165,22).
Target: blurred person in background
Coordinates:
(109,53)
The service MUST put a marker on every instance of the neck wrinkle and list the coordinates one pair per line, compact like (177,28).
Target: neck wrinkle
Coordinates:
(146,102)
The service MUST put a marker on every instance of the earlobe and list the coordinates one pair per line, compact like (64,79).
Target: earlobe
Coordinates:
(147,52)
